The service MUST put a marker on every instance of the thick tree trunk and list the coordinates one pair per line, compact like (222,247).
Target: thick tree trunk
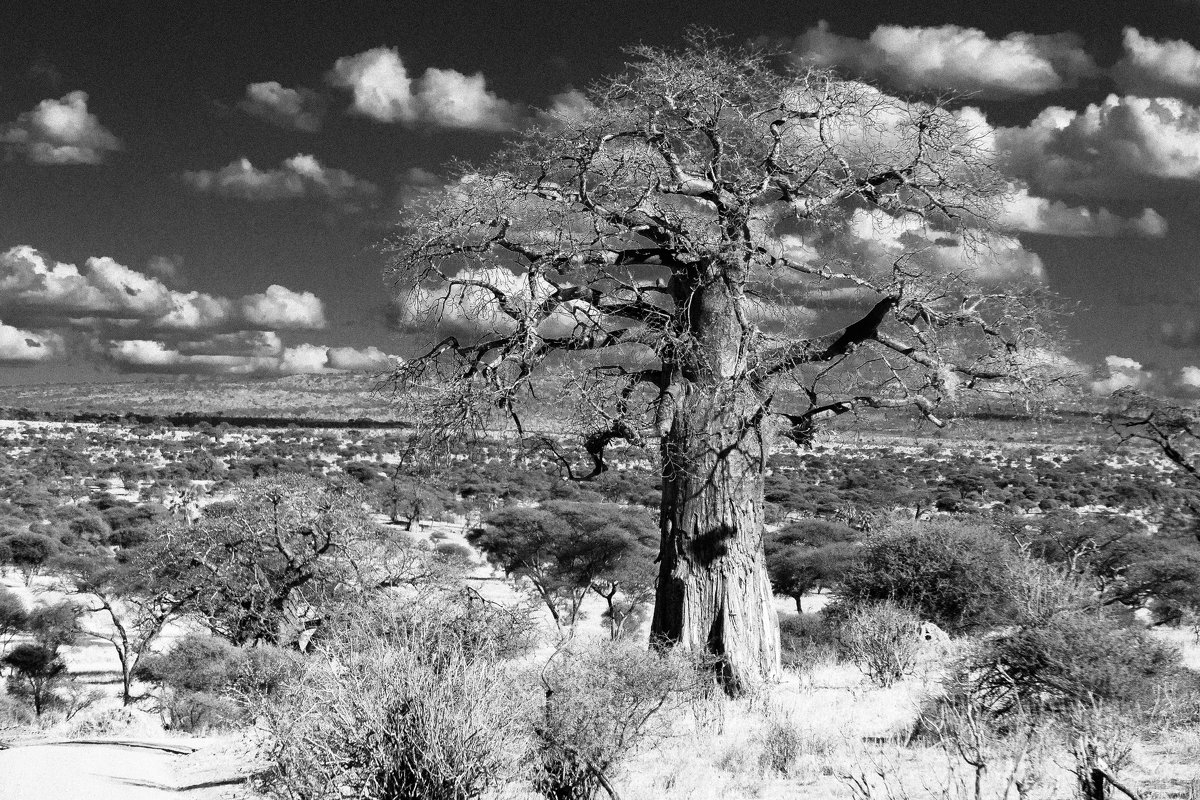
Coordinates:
(713,591)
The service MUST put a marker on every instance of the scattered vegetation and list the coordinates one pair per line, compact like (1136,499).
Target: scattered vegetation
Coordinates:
(1065,674)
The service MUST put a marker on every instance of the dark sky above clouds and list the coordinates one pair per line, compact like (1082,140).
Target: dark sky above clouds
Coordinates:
(196,187)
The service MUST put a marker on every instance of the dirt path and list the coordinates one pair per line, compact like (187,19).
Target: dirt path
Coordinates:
(100,772)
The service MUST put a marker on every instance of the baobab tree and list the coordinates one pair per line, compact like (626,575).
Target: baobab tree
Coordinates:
(669,260)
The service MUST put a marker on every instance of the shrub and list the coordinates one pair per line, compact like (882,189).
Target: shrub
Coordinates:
(779,741)
(14,713)
(426,710)
(455,553)
(805,639)
(1069,658)
(883,640)
(959,575)
(193,663)
(445,621)
(205,682)
(601,703)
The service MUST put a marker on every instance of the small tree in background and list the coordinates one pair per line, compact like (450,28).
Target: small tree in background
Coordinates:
(37,671)
(566,550)
(28,552)
(13,617)
(411,498)
(134,606)
(1125,563)
(809,554)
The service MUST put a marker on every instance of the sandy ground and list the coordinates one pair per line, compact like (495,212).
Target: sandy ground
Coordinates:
(87,772)
(216,770)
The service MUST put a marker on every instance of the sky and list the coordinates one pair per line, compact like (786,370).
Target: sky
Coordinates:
(199,188)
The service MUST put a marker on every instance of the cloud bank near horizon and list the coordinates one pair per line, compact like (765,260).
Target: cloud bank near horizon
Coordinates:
(133,322)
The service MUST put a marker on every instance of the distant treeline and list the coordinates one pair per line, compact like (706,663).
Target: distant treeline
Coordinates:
(190,419)
(1071,415)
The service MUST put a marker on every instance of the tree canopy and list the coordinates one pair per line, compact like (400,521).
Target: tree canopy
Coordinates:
(566,549)
(595,234)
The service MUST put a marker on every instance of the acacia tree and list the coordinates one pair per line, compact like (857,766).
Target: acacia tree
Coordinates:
(566,550)
(808,554)
(263,566)
(125,606)
(668,259)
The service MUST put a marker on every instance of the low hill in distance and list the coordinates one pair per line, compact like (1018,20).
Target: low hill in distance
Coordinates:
(301,398)
(364,400)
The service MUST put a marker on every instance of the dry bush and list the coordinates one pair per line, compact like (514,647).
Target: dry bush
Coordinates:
(1070,658)
(601,703)
(956,573)
(806,640)
(123,722)
(412,701)
(444,620)
(14,713)
(883,640)
(779,741)
(205,682)
(77,697)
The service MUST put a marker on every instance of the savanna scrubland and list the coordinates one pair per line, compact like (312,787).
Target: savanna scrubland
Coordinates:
(362,621)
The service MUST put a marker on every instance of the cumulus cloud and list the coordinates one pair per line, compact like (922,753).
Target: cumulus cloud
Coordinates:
(135,323)
(28,347)
(1123,373)
(106,294)
(879,239)
(60,132)
(952,57)
(383,91)
(1157,68)
(32,281)
(1026,213)
(281,308)
(299,109)
(1190,377)
(1099,150)
(299,176)
(470,308)
(570,106)
(149,355)
(369,359)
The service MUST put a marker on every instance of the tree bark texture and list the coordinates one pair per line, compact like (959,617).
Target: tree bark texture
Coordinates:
(713,594)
